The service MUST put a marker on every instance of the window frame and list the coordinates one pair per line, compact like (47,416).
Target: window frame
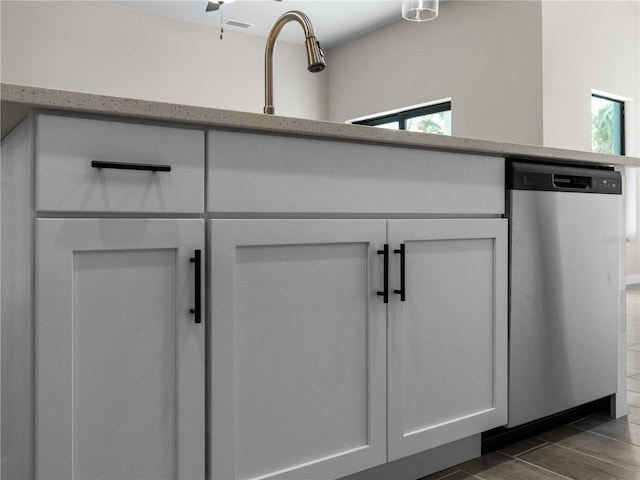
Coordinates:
(621,119)
(402,116)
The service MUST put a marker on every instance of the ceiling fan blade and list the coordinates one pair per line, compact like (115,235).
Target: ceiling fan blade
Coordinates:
(213,6)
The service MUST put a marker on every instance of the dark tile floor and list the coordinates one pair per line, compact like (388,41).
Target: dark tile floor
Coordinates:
(593,448)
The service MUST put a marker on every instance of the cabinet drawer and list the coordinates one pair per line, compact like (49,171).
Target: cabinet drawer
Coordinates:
(77,164)
(250,172)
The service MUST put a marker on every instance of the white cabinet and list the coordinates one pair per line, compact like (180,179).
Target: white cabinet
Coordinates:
(312,374)
(298,348)
(103,365)
(309,373)
(447,375)
(120,359)
(305,353)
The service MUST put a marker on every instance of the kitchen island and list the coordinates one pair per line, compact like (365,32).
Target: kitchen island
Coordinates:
(267,296)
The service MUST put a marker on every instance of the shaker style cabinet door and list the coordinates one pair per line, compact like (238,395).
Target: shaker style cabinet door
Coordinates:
(298,348)
(119,356)
(447,371)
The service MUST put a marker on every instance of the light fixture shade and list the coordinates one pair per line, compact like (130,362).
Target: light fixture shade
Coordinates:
(419,10)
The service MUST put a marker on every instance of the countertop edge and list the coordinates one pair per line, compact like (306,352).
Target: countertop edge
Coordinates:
(19,100)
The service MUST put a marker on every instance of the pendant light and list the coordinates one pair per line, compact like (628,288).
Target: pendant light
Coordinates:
(419,10)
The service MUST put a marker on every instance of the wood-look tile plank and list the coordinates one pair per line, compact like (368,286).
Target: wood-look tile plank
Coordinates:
(620,430)
(495,466)
(576,465)
(441,474)
(460,475)
(632,372)
(633,359)
(633,415)
(592,421)
(632,339)
(451,474)
(633,346)
(633,384)
(604,448)
(522,447)
(633,399)
(616,429)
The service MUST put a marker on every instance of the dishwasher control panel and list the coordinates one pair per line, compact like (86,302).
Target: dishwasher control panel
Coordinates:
(562,178)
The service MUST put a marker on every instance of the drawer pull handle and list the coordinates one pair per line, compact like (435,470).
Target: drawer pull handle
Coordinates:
(401,292)
(196,310)
(131,166)
(385,292)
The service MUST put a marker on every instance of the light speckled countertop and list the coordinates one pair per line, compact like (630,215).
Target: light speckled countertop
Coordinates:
(19,100)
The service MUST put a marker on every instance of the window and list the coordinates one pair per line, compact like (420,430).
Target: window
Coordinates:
(607,125)
(429,119)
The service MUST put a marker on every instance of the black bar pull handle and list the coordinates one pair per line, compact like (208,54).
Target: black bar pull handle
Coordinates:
(150,167)
(385,292)
(402,287)
(196,310)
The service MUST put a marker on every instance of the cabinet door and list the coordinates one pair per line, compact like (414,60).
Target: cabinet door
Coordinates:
(120,360)
(448,339)
(298,348)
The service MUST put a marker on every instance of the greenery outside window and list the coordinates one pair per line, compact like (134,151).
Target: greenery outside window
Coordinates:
(430,119)
(607,125)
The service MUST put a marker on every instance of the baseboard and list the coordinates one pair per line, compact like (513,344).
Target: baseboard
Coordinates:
(424,463)
(633,279)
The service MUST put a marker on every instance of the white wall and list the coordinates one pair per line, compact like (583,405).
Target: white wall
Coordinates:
(101,48)
(485,55)
(589,45)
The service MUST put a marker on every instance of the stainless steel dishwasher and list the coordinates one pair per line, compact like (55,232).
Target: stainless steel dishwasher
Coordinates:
(565,259)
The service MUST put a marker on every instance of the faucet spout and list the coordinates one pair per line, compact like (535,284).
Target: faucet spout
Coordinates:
(315,57)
